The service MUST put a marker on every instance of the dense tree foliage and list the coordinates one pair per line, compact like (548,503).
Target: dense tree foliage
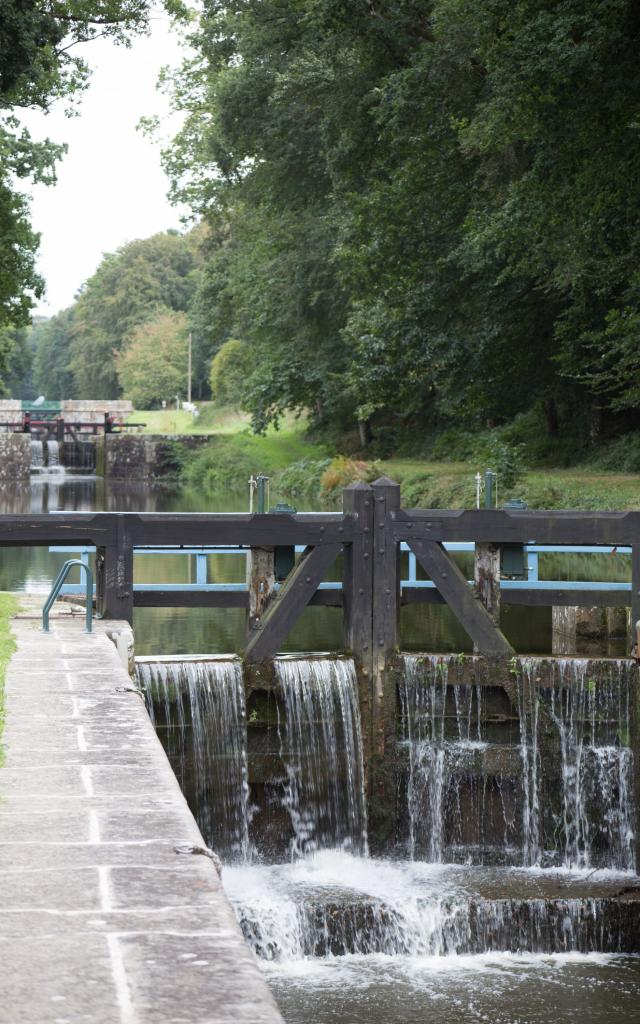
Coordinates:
(153,366)
(428,210)
(229,369)
(415,214)
(77,351)
(39,64)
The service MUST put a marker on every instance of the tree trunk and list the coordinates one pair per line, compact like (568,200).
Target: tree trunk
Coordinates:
(551,416)
(364,432)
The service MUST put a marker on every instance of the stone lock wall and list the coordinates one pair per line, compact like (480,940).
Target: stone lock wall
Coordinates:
(15,457)
(143,456)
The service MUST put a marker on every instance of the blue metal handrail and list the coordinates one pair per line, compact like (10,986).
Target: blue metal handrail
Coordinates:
(411,582)
(57,586)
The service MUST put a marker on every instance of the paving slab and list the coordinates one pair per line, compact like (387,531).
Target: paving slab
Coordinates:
(103,921)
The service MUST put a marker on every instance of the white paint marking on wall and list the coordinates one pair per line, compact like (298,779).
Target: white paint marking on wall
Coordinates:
(69,680)
(104,885)
(94,829)
(75,709)
(87,781)
(65,663)
(123,993)
(82,741)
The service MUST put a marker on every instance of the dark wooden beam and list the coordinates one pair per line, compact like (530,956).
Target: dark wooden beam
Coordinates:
(176,529)
(568,598)
(357,581)
(386,639)
(531,597)
(469,611)
(218,598)
(261,531)
(635,587)
(190,599)
(293,597)
(498,526)
(118,573)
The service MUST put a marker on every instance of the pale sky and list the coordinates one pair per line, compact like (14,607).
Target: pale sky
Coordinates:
(111,188)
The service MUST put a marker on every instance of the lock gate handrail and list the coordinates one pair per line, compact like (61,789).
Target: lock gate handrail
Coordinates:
(57,586)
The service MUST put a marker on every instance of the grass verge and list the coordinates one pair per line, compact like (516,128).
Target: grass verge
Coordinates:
(8,608)
(452,485)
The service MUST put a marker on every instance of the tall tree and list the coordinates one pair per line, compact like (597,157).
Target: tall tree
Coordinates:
(38,65)
(77,351)
(431,208)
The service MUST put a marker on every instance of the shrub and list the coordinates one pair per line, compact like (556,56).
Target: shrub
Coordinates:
(302,478)
(343,471)
(620,456)
(229,370)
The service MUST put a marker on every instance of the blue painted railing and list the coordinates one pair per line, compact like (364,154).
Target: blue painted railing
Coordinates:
(57,588)
(202,583)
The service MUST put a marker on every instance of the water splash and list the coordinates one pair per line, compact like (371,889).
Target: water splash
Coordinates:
(321,747)
(198,709)
(334,904)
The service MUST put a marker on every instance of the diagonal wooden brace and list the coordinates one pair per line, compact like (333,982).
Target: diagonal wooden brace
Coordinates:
(292,599)
(470,612)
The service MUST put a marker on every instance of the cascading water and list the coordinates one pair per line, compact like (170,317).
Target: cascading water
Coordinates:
(440,755)
(334,904)
(198,709)
(575,726)
(528,713)
(45,457)
(525,774)
(593,721)
(321,748)
(53,457)
(424,712)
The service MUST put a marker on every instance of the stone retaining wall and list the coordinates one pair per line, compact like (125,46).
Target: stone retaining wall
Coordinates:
(15,457)
(143,456)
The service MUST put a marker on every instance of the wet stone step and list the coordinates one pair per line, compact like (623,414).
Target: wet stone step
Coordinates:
(338,923)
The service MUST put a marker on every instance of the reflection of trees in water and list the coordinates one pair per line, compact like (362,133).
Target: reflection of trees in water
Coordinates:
(52,493)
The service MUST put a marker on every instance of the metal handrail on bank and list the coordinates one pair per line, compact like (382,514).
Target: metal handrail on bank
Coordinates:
(57,586)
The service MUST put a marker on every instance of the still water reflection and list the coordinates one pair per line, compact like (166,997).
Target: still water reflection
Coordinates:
(179,631)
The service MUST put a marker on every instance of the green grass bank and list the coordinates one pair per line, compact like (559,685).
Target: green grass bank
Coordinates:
(304,470)
(8,608)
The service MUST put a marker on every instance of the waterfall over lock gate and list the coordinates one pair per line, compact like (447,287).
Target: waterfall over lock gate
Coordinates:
(45,457)
(334,904)
(540,776)
(321,748)
(556,792)
(198,710)
(53,455)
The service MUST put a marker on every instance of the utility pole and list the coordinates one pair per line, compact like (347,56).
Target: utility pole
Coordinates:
(189,371)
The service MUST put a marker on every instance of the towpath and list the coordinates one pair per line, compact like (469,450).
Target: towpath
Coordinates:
(101,920)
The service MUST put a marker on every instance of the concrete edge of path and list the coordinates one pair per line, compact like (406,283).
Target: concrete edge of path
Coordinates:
(103,920)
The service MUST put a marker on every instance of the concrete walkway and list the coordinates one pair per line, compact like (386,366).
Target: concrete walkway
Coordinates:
(101,920)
